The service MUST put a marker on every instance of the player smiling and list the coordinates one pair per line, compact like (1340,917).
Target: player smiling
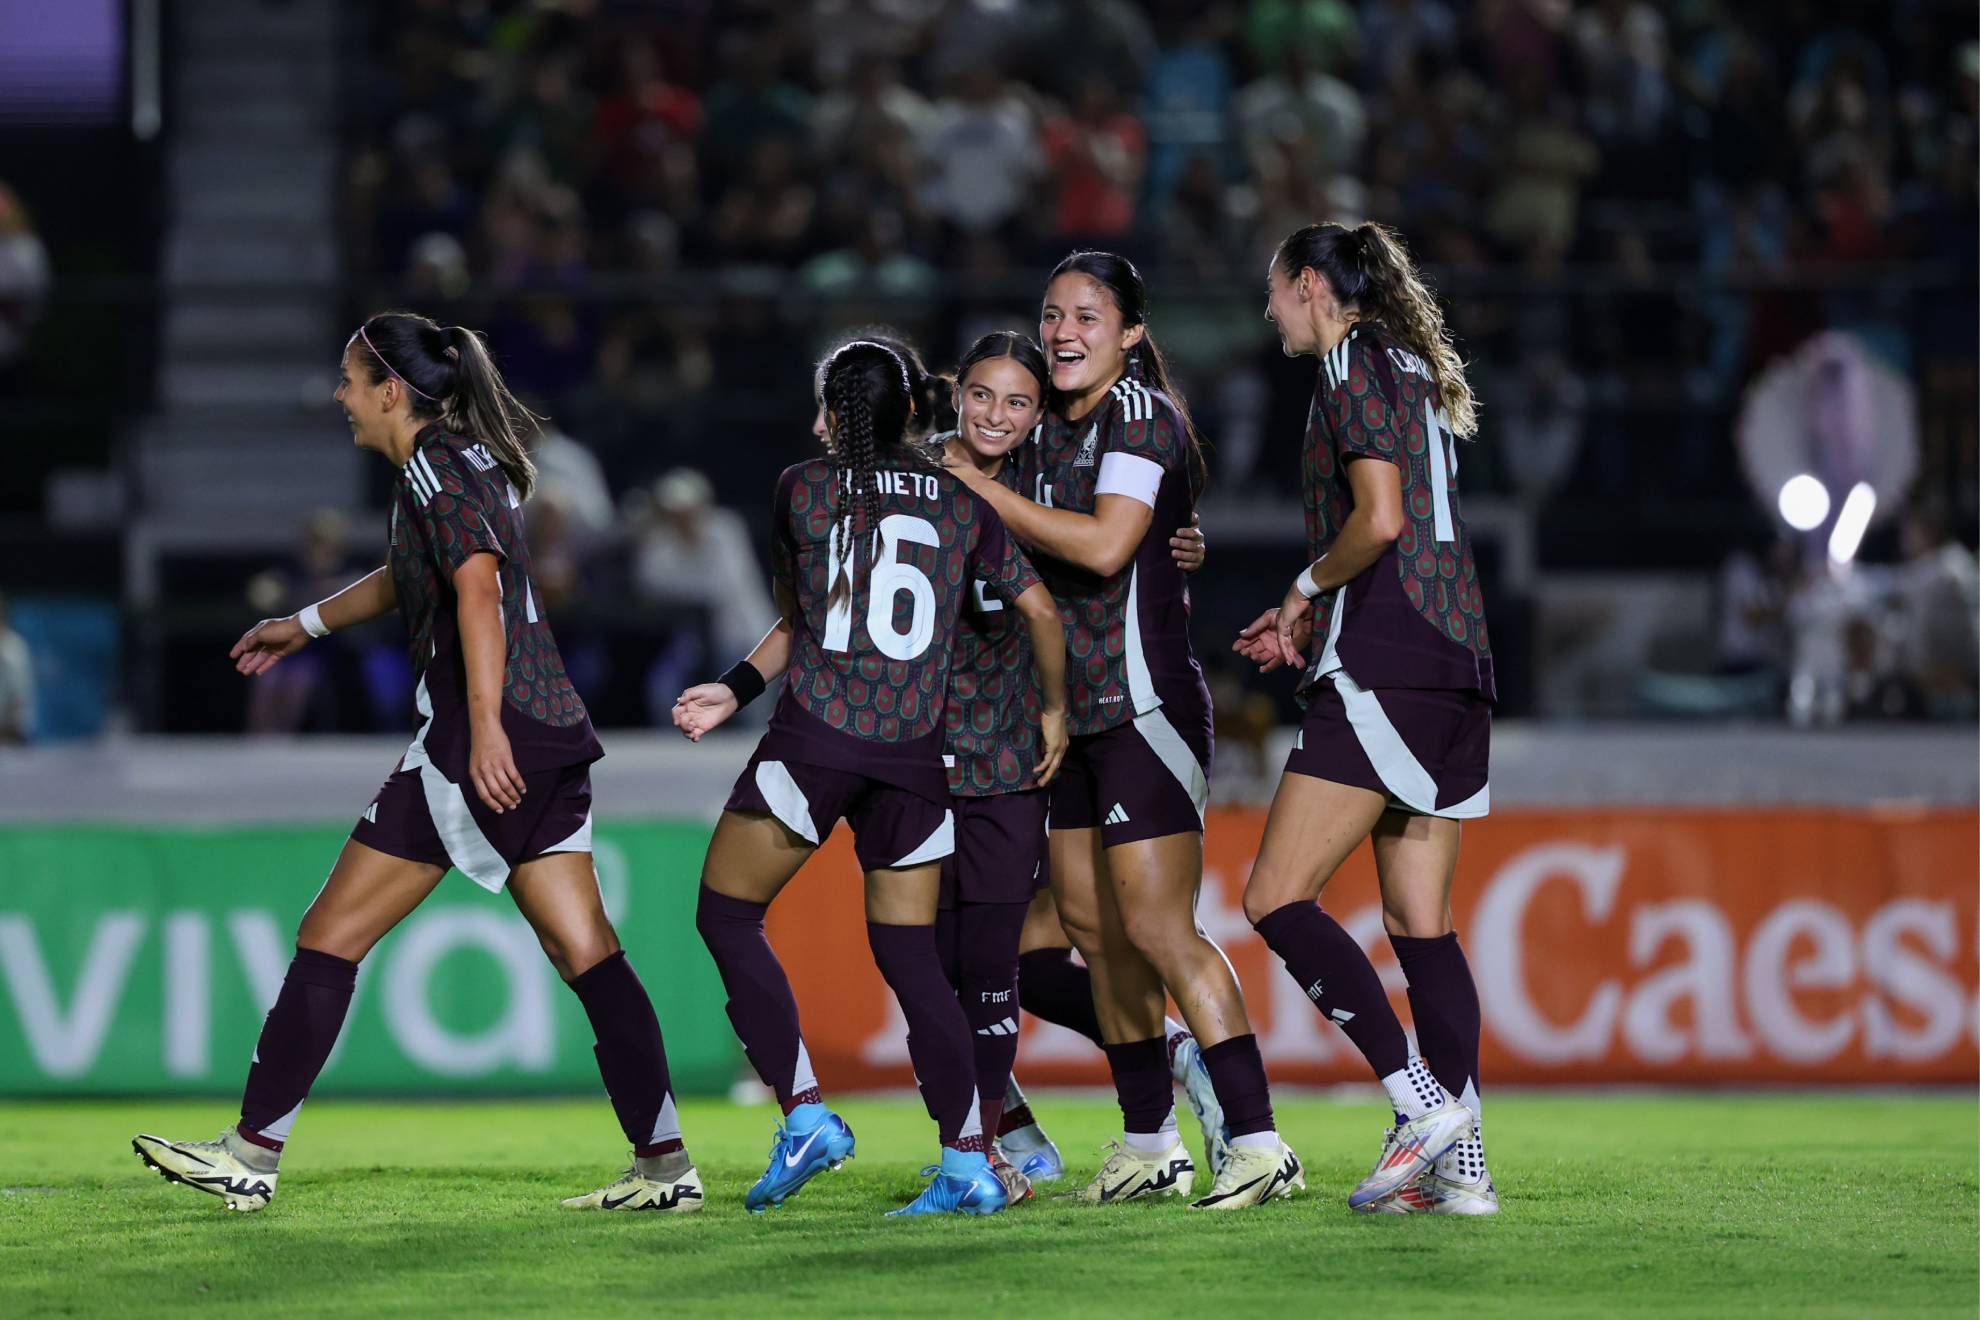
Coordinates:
(875,551)
(1117,457)
(497,781)
(1398,689)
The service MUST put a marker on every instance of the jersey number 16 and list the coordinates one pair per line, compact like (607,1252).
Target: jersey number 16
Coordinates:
(889,578)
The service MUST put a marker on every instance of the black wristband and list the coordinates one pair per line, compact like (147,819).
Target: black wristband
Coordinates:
(743,680)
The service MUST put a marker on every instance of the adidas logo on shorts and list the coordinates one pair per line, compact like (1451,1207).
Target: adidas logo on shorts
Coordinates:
(1118,816)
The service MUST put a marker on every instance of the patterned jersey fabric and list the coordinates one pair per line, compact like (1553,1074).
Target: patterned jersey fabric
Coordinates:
(453,500)
(1127,633)
(1415,618)
(873,667)
(994,700)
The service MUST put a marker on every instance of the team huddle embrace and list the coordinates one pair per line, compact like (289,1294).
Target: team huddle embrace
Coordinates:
(983,666)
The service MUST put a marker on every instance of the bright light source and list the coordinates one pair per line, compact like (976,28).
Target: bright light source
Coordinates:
(1804,503)
(1851,523)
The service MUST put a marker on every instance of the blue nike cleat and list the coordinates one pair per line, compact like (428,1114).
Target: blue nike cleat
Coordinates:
(810,1138)
(963,1185)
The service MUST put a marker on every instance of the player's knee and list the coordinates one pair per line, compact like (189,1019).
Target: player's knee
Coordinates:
(1083,929)
(1421,921)
(331,937)
(1161,937)
(1268,890)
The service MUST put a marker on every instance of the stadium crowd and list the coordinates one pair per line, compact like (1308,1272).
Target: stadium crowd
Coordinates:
(1595,182)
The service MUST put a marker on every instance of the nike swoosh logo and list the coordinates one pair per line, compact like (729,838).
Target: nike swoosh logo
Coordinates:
(1212,1200)
(810,1139)
(1109,1193)
(609,1204)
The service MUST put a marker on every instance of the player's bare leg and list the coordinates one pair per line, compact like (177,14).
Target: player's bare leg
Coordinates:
(1415,864)
(367,894)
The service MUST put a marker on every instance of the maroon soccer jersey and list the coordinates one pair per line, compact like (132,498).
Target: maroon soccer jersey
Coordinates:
(995,706)
(869,674)
(452,501)
(1127,634)
(1415,617)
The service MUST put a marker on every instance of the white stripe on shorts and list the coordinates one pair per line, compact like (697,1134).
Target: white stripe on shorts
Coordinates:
(1158,733)
(1395,765)
(467,847)
(580,841)
(936,846)
(787,801)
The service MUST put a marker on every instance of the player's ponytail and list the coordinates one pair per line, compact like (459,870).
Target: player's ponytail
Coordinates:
(450,378)
(483,407)
(1146,361)
(865,388)
(1370,271)
(932,393)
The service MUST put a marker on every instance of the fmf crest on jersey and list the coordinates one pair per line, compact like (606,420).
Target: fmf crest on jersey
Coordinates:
(1089,448)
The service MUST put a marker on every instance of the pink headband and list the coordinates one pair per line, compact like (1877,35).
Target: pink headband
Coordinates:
(388,367)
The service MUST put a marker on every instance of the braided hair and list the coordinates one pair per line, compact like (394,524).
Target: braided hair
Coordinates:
(866,390)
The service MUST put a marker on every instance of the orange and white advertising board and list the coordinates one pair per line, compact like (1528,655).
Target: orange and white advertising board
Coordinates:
(1642,945)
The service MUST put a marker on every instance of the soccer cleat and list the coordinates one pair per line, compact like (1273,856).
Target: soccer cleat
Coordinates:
(810,1138)
(634,1191)
(1028,1147)
(1129,1175)
(1253,1175)
(963,1184)
(1017,1187)
(1186,1062)
(220,1167)
(1458,1183)
(1409,1149)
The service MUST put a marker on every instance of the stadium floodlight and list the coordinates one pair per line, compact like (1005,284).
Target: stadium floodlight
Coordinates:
(1854,520)
(1804,502)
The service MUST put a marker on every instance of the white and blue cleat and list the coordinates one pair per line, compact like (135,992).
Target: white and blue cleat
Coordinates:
(1186,1064)
(810,1139)
(963,1184)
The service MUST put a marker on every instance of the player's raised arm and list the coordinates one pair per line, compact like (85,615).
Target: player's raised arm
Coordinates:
(263,646)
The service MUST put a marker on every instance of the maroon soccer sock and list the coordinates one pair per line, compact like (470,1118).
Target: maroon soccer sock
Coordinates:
(938,1033)
(1444,1001)
(1340,981)
(296,1039)
(1237,1075)
(987,988)
(632,1058)
(761,1006)
(1057,988)
(1143,1084)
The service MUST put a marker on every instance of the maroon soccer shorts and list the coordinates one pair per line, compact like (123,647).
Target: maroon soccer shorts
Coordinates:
(1428,750)
(421,816)
(892,827)
(1141,780)
(1000,854)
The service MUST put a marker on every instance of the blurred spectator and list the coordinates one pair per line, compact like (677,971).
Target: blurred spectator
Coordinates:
(304,689)
(24,276)
(982,155)
(570,474)
(766,215)
(1096,153)
(16,684)
(694,551)
(1938,606)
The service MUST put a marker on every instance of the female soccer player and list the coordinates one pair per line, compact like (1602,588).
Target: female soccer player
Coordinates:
(1398,691)
(1118,456)
(497,781)
(875,549)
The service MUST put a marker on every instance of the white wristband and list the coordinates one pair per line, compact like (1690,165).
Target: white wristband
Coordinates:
(1305,585)
(312,622)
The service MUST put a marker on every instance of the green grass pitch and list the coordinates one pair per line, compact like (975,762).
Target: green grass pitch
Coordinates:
(1687,1205)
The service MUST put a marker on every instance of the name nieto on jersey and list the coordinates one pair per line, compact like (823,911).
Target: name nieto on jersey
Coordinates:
(918,484)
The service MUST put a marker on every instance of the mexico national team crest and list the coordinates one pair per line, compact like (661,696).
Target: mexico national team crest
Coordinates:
(1089,448)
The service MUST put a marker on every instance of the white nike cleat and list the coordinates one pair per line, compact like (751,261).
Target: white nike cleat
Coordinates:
(635,1191)
(226,1167)
(1028,1147)
(1254,1175)
(1458,1183)
(1409,1149)
(1129,1175)
(1186,1064)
